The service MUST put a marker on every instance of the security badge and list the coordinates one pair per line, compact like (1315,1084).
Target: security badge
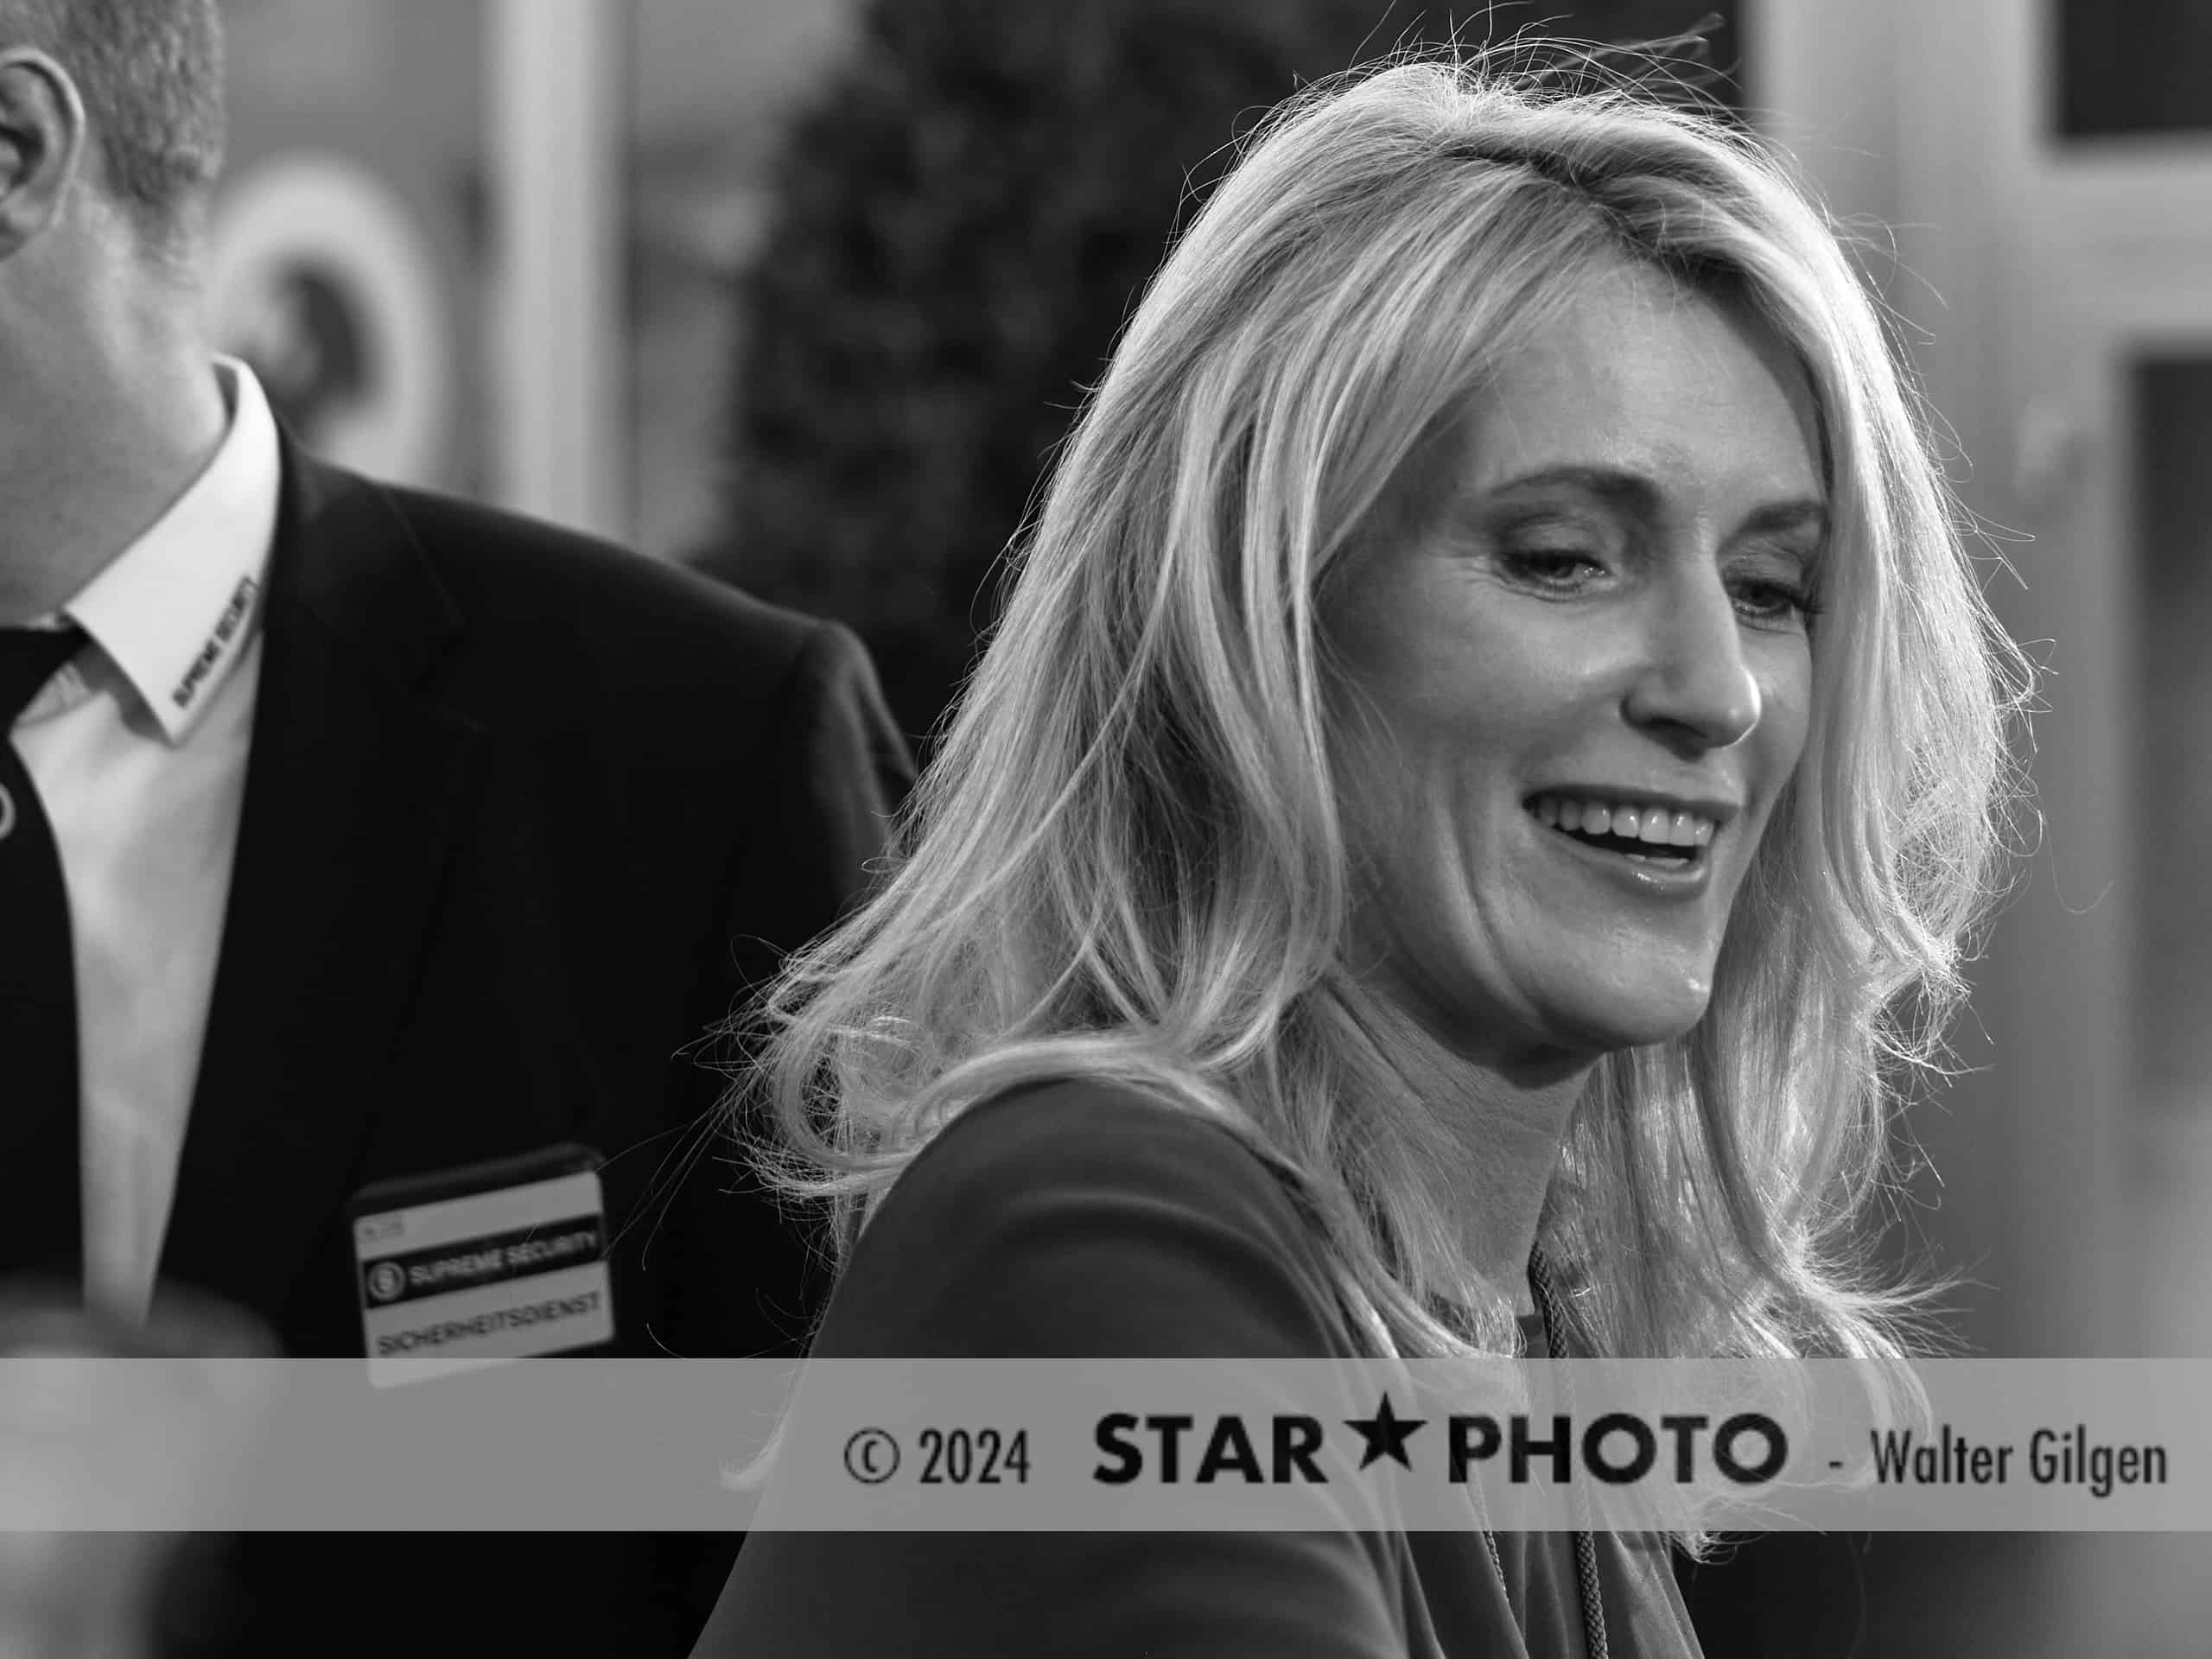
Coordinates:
(470,1267)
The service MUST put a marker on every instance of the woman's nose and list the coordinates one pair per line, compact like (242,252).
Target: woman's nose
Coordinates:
(1694,686)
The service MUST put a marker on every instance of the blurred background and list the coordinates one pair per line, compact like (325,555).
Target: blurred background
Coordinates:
(803,292)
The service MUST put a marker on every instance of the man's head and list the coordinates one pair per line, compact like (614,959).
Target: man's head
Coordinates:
(111,137)
(127,94)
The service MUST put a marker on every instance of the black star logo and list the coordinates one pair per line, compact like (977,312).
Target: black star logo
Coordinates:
(1386,1435)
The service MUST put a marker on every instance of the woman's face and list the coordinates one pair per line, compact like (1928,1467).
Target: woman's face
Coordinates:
(1575,674)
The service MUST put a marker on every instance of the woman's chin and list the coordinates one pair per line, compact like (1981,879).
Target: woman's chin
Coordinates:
(1602,1022)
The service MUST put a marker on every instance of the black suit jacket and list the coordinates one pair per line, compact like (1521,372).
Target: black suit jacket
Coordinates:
(525,814)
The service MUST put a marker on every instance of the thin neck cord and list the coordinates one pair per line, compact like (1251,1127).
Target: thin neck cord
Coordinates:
(1585,1543)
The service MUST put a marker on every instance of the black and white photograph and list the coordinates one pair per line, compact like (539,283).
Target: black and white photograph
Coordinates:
(902,722)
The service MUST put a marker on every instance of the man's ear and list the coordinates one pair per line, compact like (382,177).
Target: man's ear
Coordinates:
(41,142)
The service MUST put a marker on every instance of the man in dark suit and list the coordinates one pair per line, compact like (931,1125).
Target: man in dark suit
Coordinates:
(350,835)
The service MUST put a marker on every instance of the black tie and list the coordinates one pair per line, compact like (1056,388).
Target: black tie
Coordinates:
(40,1232)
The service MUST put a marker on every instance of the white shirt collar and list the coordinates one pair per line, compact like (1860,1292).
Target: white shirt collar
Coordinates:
(175,610)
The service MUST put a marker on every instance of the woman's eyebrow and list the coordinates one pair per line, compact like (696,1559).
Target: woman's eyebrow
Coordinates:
(1636,493)
(1781,515)
(1612,485)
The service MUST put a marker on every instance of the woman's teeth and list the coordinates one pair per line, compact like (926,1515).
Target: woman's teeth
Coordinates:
(1604,823)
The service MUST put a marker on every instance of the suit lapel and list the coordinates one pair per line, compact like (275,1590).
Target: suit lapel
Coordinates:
(352,788)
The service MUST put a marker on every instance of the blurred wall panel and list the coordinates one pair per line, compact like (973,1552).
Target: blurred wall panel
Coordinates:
(2056,286)
(2172,410)
(2168,407)
(2141,68)
(557,95)
(350,246)
(714,81)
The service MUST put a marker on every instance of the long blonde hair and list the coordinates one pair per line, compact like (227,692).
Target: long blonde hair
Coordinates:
(1127,861)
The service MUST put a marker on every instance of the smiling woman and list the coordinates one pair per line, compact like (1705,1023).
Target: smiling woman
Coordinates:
(1493,750)
(1575,633)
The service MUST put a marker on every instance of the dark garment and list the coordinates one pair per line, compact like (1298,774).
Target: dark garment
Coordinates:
(1082,1220)
(525,814)
(41,1222)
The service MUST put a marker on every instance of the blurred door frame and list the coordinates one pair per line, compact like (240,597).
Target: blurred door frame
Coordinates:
(2033,273)
(556,133)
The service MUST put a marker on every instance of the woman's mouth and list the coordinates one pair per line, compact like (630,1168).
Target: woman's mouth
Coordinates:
(1639,832)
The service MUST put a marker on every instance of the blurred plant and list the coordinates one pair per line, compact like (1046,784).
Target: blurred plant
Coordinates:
(964,220)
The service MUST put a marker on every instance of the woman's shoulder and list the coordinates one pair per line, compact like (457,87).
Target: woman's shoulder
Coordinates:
(1097,1136)
(1080,1217)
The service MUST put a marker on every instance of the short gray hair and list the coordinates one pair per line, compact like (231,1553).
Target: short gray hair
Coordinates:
(150,72)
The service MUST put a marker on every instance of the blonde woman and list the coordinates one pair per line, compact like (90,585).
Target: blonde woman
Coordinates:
(1491,755)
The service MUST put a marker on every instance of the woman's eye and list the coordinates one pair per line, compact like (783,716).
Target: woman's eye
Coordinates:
(1561,568)
(1770,603)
